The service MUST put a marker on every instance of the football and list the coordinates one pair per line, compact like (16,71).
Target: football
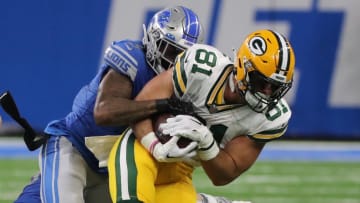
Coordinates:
(163,138)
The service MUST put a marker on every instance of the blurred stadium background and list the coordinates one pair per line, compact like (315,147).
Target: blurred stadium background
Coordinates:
(49,49)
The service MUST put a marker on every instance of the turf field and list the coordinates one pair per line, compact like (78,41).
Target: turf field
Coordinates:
(289,182)
(301,177)
(266,182)
(14,174)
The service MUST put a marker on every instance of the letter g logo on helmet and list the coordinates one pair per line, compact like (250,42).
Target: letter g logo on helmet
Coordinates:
(257,45)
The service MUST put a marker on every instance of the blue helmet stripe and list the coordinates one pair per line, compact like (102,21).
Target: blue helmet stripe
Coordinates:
(192,26)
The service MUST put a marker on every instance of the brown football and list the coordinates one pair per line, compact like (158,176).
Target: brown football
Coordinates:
(157,120)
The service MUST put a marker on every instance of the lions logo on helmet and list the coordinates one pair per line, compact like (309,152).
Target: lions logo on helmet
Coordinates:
(264,69)
(170,32)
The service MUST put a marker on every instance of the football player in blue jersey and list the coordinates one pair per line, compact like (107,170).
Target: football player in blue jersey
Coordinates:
(69,170)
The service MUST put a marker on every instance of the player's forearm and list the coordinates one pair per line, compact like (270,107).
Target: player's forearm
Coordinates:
(142,128)
(123,111)
(237,157)
(114,105)
(222,169)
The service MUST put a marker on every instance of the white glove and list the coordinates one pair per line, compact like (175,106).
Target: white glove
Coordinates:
(169,151)
(190,127)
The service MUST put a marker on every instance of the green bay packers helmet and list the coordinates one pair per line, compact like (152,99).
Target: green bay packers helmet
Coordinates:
(264,68)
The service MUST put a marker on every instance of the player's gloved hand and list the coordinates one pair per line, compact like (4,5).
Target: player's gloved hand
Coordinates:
(190,127)
(169,151)
(175,106)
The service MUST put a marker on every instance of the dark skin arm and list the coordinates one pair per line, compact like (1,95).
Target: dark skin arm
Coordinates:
(238,155)
(114,105)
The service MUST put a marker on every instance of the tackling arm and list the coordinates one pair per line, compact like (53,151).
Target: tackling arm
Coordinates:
(114,105)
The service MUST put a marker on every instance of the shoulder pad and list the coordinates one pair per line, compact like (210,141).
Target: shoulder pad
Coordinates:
(124,56)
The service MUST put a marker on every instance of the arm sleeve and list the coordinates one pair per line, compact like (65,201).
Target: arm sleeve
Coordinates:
(277,124)
(268,135)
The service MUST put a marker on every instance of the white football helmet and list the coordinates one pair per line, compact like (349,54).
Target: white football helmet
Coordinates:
(170,32)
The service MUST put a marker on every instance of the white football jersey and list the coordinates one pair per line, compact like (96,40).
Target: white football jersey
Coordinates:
(200,75)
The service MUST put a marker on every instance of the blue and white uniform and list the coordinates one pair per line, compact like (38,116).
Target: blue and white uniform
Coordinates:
(127,58)
(68,168)
(66,145)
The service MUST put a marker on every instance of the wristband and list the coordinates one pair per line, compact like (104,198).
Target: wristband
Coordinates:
(162,105)
(149,141)
(209,152)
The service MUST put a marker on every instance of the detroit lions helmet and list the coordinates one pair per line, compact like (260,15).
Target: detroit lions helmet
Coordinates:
(264,68)
(170,32)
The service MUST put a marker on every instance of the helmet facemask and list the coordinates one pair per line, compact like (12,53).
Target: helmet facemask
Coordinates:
(161,52)
(261,93)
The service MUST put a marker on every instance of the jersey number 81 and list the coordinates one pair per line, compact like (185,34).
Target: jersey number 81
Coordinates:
(204,57)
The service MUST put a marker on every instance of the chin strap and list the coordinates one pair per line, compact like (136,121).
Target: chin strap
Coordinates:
(146,37)
(231,82)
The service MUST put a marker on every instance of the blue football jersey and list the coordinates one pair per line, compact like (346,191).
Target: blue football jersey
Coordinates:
(127,57)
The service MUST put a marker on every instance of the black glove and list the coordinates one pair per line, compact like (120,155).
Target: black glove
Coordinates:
(32,139)
(175,106)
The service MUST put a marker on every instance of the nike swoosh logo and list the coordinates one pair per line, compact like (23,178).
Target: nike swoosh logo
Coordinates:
(170,157)
(196,121)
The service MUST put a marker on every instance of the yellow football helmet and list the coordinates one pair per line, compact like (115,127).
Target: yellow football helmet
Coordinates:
(264,68)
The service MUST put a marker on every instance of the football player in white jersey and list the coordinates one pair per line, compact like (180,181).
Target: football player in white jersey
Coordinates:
(241,102)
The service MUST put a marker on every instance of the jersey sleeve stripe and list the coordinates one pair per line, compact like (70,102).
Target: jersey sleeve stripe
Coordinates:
(179,75)
(126,55)
(217,87)
(270,134)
